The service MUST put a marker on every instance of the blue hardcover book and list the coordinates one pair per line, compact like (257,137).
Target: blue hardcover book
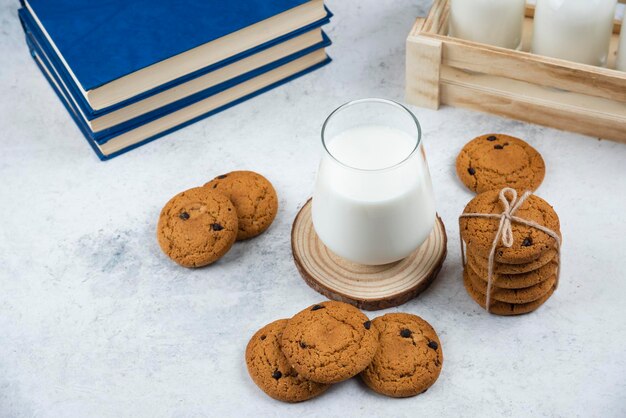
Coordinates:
(156,106)
(132,138)
(305,37)
(146,44)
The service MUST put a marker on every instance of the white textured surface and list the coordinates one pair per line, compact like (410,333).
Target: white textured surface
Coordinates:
(95,321)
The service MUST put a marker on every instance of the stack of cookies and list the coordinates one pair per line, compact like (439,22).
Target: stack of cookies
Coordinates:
(198,226)
(524,275)
(293,360)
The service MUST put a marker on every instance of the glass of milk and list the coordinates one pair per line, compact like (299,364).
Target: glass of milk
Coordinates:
(493,22)
(621,54)
(373,202)
(574,30)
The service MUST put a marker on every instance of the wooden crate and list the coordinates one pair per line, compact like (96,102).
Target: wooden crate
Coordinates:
(515,84)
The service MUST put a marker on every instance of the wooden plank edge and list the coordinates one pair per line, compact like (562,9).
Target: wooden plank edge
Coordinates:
(423,66)
(438,12)
(527,111)
(416,30)
(535,69)
(534,93)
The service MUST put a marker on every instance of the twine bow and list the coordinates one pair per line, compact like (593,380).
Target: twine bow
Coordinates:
(505,232)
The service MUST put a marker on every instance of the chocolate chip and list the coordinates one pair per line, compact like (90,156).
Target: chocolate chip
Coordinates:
(184,216)
(263,337)
(405,333)
(217,227)
(433,345)
(215,186)
(528,241)
(491,138)
(302,344)
(367,324)
(471,171)
(277,374)
(316,307)
(223,176)
(498,146)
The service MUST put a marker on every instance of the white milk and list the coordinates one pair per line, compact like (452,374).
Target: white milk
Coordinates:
(621,54)
(493,22)
(574,30)
(381,209)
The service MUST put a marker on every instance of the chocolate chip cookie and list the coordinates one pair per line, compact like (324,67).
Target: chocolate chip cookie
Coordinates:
(409,358)
(254,198)
(513,281)
(503,308)
(517,296)
(197,227)
(329,342)
(494,161)
(271,371)
(529,243)
(480,263)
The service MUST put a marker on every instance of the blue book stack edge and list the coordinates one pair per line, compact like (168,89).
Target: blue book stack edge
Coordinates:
(170,116)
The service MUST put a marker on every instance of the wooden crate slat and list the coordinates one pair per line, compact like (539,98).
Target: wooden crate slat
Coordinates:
(533,111)
(437,20)
(566,100)
(423,58)
(578,78)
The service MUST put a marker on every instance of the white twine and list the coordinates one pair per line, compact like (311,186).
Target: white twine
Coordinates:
(505,232)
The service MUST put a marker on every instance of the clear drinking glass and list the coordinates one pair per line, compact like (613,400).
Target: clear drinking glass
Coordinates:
(373,201)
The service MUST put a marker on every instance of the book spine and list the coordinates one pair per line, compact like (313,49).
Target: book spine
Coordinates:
(22,21)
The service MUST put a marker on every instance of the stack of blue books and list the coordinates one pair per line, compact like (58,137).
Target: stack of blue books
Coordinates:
(129,72)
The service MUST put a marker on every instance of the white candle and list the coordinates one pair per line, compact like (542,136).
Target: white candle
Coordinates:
(574,30)
(621,54)
(493,22)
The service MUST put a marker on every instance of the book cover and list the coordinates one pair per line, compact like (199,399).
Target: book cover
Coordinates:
(131,35)
(29,24)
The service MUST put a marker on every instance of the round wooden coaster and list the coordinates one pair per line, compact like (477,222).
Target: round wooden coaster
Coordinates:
(366,287)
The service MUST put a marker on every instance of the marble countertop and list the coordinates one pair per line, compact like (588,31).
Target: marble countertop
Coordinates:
(96,322)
